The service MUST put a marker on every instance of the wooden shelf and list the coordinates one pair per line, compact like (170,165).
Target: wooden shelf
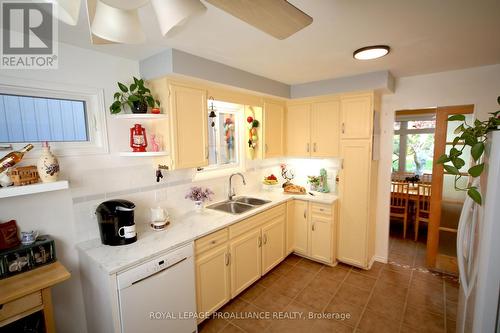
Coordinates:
(150,116)
(12,191)
(144,154)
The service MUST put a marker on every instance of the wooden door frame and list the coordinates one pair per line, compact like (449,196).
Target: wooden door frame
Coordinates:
(442,114)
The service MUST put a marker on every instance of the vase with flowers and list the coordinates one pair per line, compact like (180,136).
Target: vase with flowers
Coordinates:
(199,196)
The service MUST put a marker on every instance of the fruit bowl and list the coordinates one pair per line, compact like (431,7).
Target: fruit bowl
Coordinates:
(270,182)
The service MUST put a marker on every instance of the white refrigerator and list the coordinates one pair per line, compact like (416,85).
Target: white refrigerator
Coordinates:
(478,250)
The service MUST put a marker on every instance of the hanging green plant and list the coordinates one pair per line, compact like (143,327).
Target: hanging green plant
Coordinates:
(136,96)
(474,136)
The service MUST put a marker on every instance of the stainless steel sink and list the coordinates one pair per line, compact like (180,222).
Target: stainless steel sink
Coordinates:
(238,205)
(252,201)
(232,207)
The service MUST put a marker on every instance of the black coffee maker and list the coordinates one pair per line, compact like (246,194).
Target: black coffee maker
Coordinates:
(116,222)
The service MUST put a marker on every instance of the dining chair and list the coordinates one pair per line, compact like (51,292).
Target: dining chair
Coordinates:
(426,178)
(423,206)
(399,203)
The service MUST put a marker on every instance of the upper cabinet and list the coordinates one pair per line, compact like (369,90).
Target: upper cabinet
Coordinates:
(189,126)
(357,116)
(312,129)
(274,113)
(186,133)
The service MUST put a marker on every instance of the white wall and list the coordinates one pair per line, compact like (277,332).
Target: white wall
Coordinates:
(479,86)
(52,213)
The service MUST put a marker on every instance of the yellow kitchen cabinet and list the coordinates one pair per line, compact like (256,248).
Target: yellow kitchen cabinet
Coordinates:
(290,232)
(246,261)
(185,131)
(274,113)
(298,130)
(314,227)
(300,226)
(356,116)
(325,129)
(212,279)
(312,129)
(189,124)
(354,230)
(273,243)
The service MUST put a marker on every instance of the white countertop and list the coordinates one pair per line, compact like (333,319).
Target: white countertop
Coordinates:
(182,229)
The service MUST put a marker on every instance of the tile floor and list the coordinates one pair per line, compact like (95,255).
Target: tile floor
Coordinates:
(399,296)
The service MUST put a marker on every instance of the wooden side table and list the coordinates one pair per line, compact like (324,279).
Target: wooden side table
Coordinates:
(29,292)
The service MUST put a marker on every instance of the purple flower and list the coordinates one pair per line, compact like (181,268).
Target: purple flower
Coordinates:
(197,193)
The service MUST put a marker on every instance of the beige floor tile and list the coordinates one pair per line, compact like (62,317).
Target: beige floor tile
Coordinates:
(328,285)
(251,319)
(283,268)
(359,280)
(374,271)
(212,325)
(292,259)
(268,279)
(390,308)
(309,265)
(372,322)
(234,306)
(423,320)
(288,286)
(230,328)
(399,278)
(335,273)
(315,297)
(451,292)
(390,290)
(343,312)
(272,301)
(330,326)
(353,295)
(400,258)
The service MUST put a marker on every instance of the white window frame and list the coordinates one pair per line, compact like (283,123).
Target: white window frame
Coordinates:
(222,170)
(403,133)
(94,107)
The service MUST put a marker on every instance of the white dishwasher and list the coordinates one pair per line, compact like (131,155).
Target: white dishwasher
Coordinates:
(159,295)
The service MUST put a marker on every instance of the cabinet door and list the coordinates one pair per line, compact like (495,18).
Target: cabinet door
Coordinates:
(273,243)
(354,180)
(273,129)
(212,279)
(321,242)
(245,253)
(189,116)
(325,129)
(357,117)
(290,234)
(298,130)
(300,226)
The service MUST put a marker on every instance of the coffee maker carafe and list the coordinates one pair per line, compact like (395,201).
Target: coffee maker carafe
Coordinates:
(116,222)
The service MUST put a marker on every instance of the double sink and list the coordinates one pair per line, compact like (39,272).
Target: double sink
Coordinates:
(238,205)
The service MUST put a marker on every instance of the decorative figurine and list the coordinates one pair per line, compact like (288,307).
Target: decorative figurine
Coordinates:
(138,139)
(154,144)
(287,175)
(253,124)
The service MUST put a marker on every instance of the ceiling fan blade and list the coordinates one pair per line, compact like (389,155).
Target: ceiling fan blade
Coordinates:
(277,18)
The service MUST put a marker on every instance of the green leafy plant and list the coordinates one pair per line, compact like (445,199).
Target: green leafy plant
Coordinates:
(474,136)
(136,92)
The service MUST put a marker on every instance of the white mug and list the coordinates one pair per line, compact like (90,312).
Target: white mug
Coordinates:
(127,232)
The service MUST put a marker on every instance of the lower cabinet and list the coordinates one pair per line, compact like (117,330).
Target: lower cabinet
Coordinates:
(212,279)
(245,260)
(314,227)
(273,243)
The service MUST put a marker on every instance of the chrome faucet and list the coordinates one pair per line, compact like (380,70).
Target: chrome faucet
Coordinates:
(231,192)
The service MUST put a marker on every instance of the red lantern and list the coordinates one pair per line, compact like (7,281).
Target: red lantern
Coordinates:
(138,140)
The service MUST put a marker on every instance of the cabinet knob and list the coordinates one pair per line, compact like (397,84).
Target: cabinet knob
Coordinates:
(314,147)
(307,147)
(228,258)
(260,241)
(213,242)
(312,227)
(266,147)
(343,128)
(305,213)
(265,239)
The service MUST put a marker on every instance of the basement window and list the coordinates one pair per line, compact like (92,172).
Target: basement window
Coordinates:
(71,119)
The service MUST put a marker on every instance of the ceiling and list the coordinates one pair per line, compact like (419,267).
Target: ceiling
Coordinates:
(426,36)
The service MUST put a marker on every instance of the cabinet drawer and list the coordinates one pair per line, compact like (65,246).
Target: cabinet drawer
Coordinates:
(257,220)
(209,242)
(20,305)
(321,210)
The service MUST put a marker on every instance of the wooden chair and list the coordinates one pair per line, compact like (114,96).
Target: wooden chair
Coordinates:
(423,206)
(426,178)
(399,203)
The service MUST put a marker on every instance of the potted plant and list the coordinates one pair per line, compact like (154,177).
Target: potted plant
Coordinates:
(199,195)
(474,136)
(136,96)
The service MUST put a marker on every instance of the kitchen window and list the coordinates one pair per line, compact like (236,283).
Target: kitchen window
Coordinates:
(224,126)
(71,118)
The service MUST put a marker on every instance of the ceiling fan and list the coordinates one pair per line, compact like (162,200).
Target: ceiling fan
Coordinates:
(117,21)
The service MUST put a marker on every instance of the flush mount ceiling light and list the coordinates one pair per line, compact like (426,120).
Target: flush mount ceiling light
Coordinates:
(371,52)
(117,25)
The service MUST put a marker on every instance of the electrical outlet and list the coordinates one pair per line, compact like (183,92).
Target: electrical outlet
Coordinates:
(160,195)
